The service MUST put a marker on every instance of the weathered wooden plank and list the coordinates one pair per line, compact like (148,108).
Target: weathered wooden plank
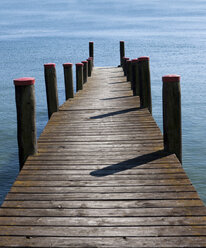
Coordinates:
(102,196)
(151,231)
(143,158)
(119,189)
(115,177)
(124,241)
(103,221)
(119,183)
(148,167)
(56,210)
(103,171)
(109,204)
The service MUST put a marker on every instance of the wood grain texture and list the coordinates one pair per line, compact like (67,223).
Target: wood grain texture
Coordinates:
(101,178)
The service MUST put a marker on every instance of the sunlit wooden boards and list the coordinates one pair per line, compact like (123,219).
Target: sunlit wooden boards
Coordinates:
(102,179)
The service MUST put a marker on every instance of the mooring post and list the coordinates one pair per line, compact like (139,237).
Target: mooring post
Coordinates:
(129,70)
(133,77)
(136,90)
(145,84)
(172,115)
(51,88)
(85,70)
(91,51)
(124,65)
(122,52)
(68,80)
(26,118)
(79,76)
(89,66)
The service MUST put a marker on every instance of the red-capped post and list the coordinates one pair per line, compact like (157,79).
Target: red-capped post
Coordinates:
(134,62)
(68,80)
(122,51)
(124,65)
(90,66)
(79,76)
(129,70)
(172,126)
(145,84)
(91,51)
(85,70)
(51,88)
(26,118)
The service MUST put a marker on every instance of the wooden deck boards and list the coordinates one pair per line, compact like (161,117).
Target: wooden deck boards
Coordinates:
(102,179)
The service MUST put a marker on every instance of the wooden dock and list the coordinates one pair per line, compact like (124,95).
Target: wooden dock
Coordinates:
(102,179)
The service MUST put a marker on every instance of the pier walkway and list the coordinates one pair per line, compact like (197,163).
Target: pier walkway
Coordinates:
(102,179)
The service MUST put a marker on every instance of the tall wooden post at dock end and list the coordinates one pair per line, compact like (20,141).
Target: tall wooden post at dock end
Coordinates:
(51,88)
(129,70)
(122,52)
(124,65)
(89,66)
(134,61)
(85,70)
(68,80)
(135,77)
(79,76)
(172,115)
(91,50)
(145,84)
(26,118)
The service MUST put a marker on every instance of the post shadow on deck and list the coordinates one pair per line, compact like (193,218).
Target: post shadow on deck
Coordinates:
(124,111)
(130,163)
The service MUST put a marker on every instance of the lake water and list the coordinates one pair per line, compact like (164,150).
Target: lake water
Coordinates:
(171,33)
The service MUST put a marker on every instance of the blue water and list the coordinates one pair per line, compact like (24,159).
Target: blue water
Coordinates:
(172,33)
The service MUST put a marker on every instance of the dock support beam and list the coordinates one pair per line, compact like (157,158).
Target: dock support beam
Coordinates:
(145,84)
(122,52)
(172,115)
(133,78)
(124,65)
(51,88)
(85,70)
(68,80)
(90,62)
(136,79)
(129,70)
(26,118)
(79,76)
(91,51)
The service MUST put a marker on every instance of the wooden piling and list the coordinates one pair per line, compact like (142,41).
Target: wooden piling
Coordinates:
(91,50)
(129,70)
(85,71)
(89,66)
(122,52)
(51,88)
(145,85)
(124,65)
(79,76)
(135,77)
(68,80)
(172,115)
(26,118)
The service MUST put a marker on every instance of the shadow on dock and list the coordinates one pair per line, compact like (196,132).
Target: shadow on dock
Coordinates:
(114,98)
(129,164)
(124,111)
